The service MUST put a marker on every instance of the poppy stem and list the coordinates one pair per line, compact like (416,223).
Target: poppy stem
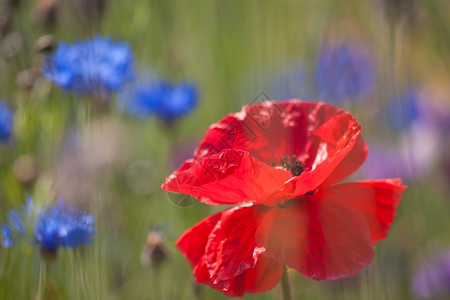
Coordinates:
(285,287)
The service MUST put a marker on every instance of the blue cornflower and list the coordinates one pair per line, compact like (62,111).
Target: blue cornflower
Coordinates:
(96,66)
(50,227)
(344,73)
(6,122)
(63,226)
(7,236)
(160,98)
(18,224)
(404,110)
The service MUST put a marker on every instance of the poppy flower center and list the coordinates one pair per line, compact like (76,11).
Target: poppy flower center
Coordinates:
(292,164)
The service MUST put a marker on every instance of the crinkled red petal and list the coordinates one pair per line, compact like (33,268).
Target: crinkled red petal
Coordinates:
(262,278)
(336,150)
(225,255)
(193,241)
(273,130)
(231,246)
(329,234)
(331,143)
(229,177)
(376,200)
(320,135)
(322,239)
(351,162)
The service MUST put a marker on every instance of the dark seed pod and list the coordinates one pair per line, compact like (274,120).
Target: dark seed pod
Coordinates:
(45,44)
(154,252)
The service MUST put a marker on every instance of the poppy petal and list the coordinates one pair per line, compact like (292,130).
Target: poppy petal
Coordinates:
(320,135)
(376,200)
(273,130)
(351,162)
(331,144)
(223,253)
(229,177)
(335,151)
(263,277)
(320,238)
(232,247)
(329,234)
(234,260)
(193,241)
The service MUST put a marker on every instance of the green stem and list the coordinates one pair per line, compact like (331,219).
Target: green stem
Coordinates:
(285,287)
(42,279)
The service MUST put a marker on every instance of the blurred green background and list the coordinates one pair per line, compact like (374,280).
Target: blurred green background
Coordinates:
(233,50)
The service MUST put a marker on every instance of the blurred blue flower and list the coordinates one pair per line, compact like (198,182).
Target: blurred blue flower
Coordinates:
(16,227)
(7,236)
(433,278)
(50,227)
(418,139)
(63,226)
(344,72)
(96,66)
(6,121)
(162,99)
(404,110)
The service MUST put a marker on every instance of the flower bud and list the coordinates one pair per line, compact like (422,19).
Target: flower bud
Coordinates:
(45,44)
(154,252)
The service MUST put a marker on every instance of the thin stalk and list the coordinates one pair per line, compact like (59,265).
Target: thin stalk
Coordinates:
(285,287)
(42,280)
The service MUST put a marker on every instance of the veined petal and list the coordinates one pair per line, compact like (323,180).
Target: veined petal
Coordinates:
(321,238)
(272,130)
(263,277)
(229,177)
(193,241)
(222,251)
(329,234)
(376,200)
(231,246)
(351,162)
(319,135)
(330,146)
(335,151)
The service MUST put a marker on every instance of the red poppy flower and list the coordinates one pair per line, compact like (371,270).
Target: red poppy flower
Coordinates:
(281,162)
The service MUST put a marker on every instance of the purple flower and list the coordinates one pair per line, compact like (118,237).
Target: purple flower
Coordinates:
(418,144)
(344,72)
(433,278)
(411,158)
(404,110)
